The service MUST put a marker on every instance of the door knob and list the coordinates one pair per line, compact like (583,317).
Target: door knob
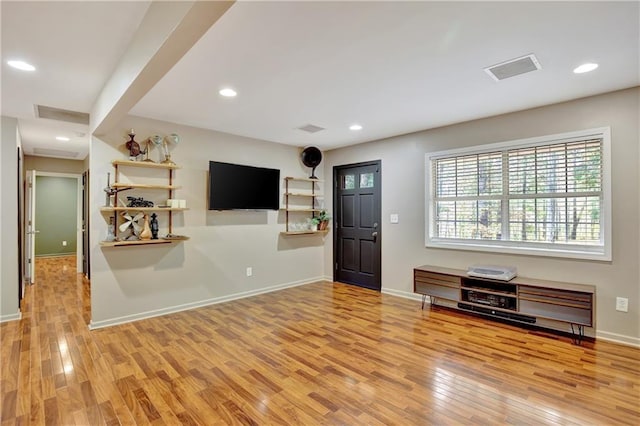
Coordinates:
(375,236)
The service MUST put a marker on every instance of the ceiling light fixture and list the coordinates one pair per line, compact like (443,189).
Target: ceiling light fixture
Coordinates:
(63,138)
(355,127)
(585,68)
(228,92)
(21,65)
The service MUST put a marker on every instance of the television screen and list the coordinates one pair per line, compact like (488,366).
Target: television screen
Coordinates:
(238,187)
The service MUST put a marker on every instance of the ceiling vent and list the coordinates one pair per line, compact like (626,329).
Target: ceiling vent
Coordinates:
(513,67)
(62,115)
(310,128)
(45,152)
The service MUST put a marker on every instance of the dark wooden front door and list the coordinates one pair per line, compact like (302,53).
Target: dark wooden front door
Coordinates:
(357,219)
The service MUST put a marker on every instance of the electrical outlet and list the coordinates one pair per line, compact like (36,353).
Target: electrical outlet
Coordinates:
(622,304)
(64,244)
(249,271)
(394,218)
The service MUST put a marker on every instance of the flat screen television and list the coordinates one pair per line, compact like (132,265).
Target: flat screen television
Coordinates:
(239,187)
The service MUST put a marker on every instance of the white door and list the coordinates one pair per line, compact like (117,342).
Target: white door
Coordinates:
(31,231)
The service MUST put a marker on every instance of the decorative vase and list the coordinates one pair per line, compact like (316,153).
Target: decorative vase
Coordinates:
(323,225)
(133,146)
(145,234)
(111,231)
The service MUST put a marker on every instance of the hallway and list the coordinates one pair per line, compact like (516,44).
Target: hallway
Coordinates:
(44,354)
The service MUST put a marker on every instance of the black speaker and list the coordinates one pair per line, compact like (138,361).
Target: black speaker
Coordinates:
(311,157)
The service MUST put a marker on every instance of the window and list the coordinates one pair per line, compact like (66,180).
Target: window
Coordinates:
(546,196)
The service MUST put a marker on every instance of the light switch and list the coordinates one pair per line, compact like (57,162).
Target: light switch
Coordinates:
(394,218)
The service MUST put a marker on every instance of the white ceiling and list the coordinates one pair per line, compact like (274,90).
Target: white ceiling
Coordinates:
(392,67)
(74,46)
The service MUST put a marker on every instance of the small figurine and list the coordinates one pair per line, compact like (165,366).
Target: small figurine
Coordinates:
(154,226)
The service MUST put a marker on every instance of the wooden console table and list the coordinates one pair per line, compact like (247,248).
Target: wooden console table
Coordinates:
(522,300)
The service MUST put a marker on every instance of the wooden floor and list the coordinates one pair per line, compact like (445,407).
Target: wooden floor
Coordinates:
(323,353)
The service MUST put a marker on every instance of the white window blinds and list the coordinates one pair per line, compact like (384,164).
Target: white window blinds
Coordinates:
(546,194)
(555,192)
(468,195)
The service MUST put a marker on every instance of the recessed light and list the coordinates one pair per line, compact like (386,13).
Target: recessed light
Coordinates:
(355,127)
(63,138)
(228,92)
(585,68)
(21,65)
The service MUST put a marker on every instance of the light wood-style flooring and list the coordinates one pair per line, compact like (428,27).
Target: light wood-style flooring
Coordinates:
(323,353)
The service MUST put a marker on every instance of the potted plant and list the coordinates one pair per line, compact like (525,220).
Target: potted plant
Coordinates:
(321,220)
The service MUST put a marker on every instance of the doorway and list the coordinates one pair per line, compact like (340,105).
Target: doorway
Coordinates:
(54,215)
(86,270)
(357,213)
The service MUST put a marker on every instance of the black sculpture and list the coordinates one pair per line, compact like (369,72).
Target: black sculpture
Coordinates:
(139,202)
(154,226)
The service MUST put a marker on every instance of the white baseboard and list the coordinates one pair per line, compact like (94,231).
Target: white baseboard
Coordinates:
(403,294)
(93,325)
(11,317)
(618,338)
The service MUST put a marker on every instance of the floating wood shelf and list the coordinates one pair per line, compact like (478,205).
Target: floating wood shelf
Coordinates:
(117,219)
(134,243)
(141,209)
(302,210)
(176,238)
(147,164)
(303,179)
(298,194)
(304,232)
(144,186)
(164,240)
(307,196)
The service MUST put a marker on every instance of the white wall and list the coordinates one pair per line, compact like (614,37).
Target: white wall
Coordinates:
(403,192)
(132,282)
(9,271)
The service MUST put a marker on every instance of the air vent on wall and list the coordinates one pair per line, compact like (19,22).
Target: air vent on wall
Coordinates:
(45,152)
(310,128)
(62,114)
(513,67)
